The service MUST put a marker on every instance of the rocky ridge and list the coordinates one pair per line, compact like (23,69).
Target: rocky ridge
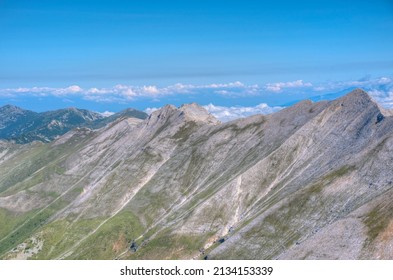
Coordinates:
(24,126)
(311,181)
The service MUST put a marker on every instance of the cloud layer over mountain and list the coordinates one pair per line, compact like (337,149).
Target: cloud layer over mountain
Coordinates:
(381,89)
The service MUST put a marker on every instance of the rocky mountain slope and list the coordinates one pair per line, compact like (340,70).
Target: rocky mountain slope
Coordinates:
(24,126)
(312,181)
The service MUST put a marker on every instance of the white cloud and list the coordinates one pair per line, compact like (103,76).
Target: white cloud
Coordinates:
(384,80)
(129,92)
(223,92)
(150,110)
(383,94)
(225,114)
(32,90)
(99,91)
(74,89)
(230,113)
(106,113)
(320,88)
(277,87)
(236,84)
(153,90)
(365,83)
(380,89)
(45,91)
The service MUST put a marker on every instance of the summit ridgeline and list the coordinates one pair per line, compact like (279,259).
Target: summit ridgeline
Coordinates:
(312,181)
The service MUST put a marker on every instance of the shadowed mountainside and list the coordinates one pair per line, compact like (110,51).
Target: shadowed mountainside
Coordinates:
(24,126)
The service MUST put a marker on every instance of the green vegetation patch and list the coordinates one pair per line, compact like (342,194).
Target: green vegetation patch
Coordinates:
(9,221)
(61,235)
(378,219)
(112,238)
(171,246)
(185,131)
(26,230)
(24,226)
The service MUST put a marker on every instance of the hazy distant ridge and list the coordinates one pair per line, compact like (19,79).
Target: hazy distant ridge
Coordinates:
(24,126)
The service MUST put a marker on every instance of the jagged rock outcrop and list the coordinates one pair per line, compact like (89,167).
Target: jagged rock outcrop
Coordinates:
(310,181)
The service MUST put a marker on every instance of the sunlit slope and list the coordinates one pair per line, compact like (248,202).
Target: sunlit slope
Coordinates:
(311,181)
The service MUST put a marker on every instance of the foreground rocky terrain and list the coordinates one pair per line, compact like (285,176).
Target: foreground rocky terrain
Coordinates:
(312,181)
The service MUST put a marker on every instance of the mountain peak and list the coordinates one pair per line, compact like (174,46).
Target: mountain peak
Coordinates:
(357,94)
(170,178)
(360,96)
(186,112)
(357,99)
(197,113)
(11,108)
(161,115)
(73,109)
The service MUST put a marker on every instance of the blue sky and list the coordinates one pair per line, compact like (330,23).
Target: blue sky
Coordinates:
(109,55)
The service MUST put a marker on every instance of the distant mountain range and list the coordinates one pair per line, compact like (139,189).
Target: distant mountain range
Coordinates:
(312,181)
(24,126)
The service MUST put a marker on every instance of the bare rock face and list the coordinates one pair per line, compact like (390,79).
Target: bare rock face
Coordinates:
(312,181)
(186,113)
(196,113)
